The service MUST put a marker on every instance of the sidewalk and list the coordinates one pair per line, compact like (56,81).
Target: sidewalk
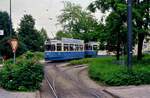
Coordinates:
(129,91)
(8,94)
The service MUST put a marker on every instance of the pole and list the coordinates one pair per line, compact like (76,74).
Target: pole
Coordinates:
(129,59)
(14,57)
(10,21)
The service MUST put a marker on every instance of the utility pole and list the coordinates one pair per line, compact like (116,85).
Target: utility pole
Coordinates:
(129,58)
(10,21)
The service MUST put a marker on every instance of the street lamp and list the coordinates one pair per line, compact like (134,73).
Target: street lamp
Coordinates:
(10,20)
(129,59)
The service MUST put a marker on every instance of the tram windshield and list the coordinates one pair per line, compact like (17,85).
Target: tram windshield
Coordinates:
(50,47)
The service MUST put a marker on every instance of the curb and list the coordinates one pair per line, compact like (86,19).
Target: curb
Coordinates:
(113,95)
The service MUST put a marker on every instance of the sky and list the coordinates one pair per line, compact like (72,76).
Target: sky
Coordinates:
(45,12)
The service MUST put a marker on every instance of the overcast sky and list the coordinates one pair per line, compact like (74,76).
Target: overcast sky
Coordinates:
(41,10)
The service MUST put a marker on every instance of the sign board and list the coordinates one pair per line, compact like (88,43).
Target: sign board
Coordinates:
(1,32)
(70,40)
(14,44)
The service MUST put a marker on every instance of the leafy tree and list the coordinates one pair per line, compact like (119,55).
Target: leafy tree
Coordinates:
(43,33)
(77,22)
(61,34)
(4,24)
(31,37)
(119,7)
(5,49)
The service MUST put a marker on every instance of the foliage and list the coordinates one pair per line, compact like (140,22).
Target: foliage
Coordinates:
(116,21)
(106,71)
(30,55)
(25,75)
(81,61)
(32,38)
(78,23)
(5,49)
(4,24)
(61,34)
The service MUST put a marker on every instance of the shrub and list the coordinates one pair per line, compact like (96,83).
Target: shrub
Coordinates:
(106,71)
(25,75)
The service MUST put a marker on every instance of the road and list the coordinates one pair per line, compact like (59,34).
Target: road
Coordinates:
(69,82)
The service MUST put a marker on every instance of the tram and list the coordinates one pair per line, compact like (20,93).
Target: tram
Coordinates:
(68,48)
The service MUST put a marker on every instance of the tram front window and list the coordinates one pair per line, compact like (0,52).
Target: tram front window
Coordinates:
(47,47)
(52,48)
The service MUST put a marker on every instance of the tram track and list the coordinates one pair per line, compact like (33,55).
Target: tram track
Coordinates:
(77,82)
(51,86)
(61,71)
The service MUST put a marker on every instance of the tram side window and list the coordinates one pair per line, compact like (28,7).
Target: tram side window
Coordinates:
(76,47)
(88,47)
(95,47)
(81,47)
(66,48)
(59,47)
(71,47)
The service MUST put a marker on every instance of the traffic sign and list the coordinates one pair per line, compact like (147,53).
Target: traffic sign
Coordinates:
(14,44)
(1,32)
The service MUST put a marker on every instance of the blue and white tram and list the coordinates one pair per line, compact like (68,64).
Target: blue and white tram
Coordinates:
(91,49)
(64,49)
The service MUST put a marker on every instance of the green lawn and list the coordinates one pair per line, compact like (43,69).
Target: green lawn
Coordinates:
(108,71)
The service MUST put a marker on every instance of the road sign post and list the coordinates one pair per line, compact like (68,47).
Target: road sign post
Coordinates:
(129,35)
(1,32)
(14,46)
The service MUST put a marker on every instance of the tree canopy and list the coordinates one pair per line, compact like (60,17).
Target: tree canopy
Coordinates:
(116,21)
(78,22)
(31,37)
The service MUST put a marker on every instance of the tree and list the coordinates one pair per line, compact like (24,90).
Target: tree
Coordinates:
(115,23)
(4,24)
(78,23)
(61,34)
(31,37)
(43,33)
(140,13)
(5,49)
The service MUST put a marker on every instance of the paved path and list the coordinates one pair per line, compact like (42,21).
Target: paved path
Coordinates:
(130,91)
(7,94)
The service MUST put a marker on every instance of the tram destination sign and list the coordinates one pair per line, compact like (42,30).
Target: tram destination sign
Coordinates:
(70,40)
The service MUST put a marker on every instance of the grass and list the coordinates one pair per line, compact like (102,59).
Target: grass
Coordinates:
(80,61)
(110,73)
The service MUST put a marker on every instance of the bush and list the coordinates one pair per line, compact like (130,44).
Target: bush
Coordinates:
(25,75)
(106,71)
(30,55)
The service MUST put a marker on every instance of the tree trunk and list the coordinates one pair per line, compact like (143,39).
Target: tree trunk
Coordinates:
(140,45)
